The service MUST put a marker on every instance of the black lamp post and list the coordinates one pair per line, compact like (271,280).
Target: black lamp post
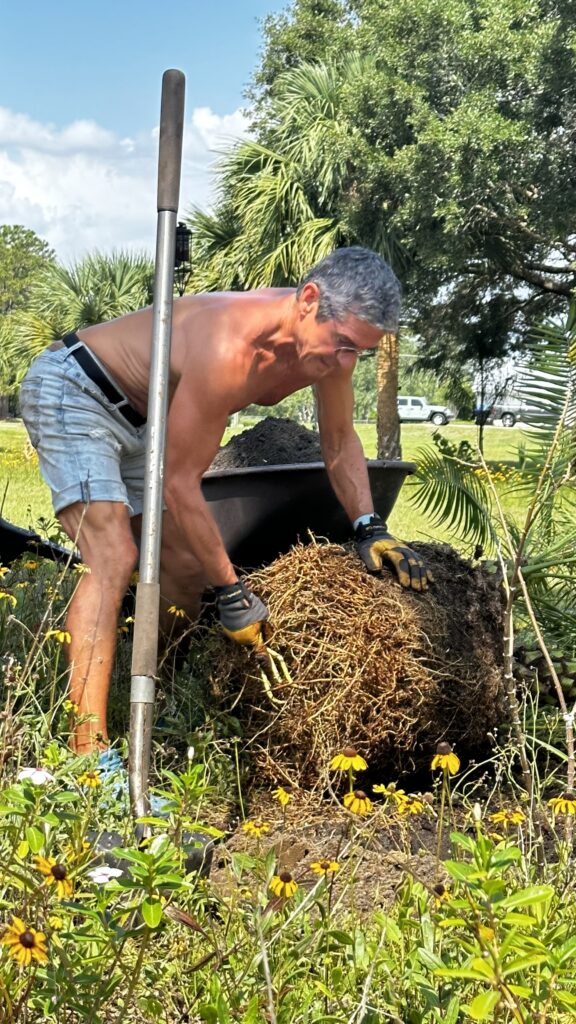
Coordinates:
(182,267)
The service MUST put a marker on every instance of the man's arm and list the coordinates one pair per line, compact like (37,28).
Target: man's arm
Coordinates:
(196,422)
(341,447)
(348,473)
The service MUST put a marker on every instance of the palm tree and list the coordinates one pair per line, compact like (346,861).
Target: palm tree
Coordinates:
(285,201)
(96,289)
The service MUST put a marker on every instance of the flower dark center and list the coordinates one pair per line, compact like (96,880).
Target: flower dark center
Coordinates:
(349,752)
(360,794)
(439,889)
(443,749)
(59,872)
(285,876)
(325,864)
(27,940)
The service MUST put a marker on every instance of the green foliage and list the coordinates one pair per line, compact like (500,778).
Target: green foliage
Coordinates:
(455,488)
(23,255)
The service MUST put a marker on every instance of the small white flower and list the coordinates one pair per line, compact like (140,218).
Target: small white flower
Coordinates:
(104,874)
(190,753)
(37,776)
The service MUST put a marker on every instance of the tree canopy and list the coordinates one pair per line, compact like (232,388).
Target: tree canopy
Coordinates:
(23,255)
(451,134)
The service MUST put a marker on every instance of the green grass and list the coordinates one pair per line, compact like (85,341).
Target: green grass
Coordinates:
(25,498)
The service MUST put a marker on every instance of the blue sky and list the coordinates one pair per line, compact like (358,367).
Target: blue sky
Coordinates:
(79,104)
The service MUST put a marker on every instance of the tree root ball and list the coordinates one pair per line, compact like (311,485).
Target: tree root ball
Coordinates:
(389,671)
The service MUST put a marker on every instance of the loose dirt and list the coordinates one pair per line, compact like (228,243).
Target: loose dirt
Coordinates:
(272,442)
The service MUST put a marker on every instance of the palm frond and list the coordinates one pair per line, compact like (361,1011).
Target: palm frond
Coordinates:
(453,496)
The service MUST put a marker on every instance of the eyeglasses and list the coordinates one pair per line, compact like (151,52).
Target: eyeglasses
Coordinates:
(362,353)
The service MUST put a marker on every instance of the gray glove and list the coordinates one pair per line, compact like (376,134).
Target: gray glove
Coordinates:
(243,616)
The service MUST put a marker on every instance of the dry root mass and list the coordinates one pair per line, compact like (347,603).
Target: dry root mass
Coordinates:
(391,672)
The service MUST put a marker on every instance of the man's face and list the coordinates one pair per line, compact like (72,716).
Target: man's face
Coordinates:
(325,345)
(333,343)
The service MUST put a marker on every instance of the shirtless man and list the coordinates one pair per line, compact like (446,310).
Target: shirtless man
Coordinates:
(84,403)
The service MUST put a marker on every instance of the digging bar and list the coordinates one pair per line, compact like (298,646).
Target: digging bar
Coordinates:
(145,648)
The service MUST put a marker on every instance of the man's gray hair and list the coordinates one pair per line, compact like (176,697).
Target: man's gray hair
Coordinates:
(359,282)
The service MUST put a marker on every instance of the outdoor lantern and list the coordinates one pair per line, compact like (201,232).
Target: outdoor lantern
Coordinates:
(182,268)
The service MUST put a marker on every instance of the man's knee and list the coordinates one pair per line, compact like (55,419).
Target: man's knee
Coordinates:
(101,531)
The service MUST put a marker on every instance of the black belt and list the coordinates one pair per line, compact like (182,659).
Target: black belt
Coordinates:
(94,371)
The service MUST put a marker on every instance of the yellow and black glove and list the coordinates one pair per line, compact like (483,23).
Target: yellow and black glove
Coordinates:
(243,616)
(376,547)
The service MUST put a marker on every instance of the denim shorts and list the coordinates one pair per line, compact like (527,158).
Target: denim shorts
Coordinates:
(86,449)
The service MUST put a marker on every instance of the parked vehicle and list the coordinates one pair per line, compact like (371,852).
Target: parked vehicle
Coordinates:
(416,409)
(509,411)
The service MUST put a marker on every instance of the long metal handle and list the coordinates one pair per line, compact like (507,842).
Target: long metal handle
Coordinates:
(145,647)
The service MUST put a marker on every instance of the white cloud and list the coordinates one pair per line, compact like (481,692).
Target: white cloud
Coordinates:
(82,187)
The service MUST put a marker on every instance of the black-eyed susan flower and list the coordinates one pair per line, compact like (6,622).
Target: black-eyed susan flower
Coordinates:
(30,563)
(256,828)
(81,568)
(178,613)
(325,867)
(4,570)
(563,804)
(348,760)
(56,874)
(445,759)
(358,802)
(61,635)
(485,933)
(70,707)
(25,944)
(283,885)
(90,779)
(508,817)
(8,598)
(411,805)
(441,893)
(282,796)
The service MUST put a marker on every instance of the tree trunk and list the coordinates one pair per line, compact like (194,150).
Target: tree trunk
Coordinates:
(387,422)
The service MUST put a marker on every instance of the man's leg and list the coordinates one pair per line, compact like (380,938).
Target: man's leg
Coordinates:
(101,531)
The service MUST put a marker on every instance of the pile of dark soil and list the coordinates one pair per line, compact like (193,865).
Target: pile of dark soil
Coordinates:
(389,671)
(272,442)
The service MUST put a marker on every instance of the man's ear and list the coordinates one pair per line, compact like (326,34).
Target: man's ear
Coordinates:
(309,298)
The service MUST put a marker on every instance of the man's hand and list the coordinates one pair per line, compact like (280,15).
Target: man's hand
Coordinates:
(243,616)
(376,546)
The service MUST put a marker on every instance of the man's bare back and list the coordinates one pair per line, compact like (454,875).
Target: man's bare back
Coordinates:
(242,339)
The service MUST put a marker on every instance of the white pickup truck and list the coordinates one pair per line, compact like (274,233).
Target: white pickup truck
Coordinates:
(415,409)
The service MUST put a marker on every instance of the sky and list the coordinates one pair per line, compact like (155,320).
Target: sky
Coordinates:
(80,87)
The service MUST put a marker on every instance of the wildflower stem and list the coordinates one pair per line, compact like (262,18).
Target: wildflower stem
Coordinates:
(441,820)
(238,780)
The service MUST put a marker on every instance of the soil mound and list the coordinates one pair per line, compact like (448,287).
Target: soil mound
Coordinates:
(271,442)
(389,671)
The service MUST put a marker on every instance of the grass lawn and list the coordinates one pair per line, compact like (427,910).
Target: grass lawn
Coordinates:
(24,498)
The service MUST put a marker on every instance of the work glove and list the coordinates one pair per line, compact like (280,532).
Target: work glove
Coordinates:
(243,616)
(376,546)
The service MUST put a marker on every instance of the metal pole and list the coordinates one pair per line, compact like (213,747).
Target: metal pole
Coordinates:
(145,648)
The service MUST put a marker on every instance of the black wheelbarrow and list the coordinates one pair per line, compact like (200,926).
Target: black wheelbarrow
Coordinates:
(261,511)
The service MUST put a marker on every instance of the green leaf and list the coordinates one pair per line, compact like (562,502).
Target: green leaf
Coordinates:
(567,999)
(521,920)
(342,937)
(35,838)
(531,896)
(22,849)
(482,1006)
(566,950)
(151,909)
(523,962)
